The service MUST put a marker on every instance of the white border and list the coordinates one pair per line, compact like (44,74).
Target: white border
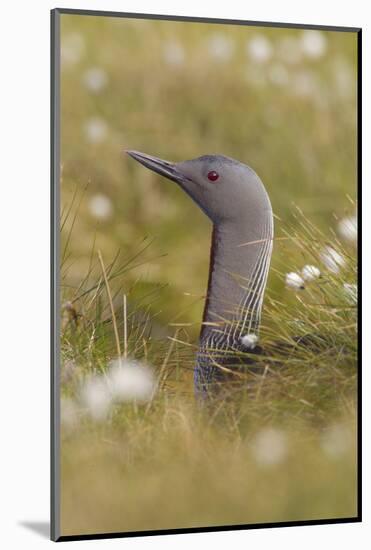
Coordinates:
(24,235)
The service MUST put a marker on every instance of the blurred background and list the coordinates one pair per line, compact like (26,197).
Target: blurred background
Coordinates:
(281,100)
(284,102)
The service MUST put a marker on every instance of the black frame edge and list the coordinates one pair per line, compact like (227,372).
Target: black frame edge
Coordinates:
(211,529)
(359,270)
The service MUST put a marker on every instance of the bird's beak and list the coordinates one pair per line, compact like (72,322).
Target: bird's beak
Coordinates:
(162,167)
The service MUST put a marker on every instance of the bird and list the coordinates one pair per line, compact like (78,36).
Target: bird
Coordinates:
(235,200)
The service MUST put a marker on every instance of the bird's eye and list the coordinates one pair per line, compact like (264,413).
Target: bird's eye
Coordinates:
(213,176)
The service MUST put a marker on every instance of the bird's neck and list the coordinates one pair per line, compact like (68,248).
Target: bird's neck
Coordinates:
(239,265)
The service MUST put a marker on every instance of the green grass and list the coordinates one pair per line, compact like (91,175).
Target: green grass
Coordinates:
(281,445)
(174,463)
(173,469)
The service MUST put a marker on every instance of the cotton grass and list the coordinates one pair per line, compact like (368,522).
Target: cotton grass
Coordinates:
(100,206)
(294,281)
(249,340)
(95,130)
(95,79)
(310,273)
(332,259)
(124,381)
(220,47)
(270,447)
(313,43)
(96,397)
(130,381)
(259,49)
(347,229)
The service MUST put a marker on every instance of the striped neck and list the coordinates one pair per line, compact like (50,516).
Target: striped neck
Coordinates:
(239,266)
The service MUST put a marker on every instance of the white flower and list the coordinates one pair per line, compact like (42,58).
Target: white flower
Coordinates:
(96,130)
(173,53)
(100,206)
(347,229)
(69,417)
(336,441)
(249,340)
(95,79)
(310,272)
(351,292)
(72,49)
(220,47)
(259,49)
(96,397)
(313,43)
(332,259)
(278,75)
(270,447)
(294,280)
(130,380)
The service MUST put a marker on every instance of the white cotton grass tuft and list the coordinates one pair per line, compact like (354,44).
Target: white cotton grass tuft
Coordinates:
(173,53)
(336,441)
(69,413)
(249,340)
(96,397)
(130,381)
(259,49)
(332,259)
(100,206)
(72,49)
(96,130)
(313,43)
(220,47)
(310,272)
(347,229)
(351,293)
(270,447)
(294,280)
(124,381)
(95,79)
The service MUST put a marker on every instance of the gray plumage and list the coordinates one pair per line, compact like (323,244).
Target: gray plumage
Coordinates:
(239,208)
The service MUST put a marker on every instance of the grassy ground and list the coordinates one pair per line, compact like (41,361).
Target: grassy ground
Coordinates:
(173,469)
(282,445)
(279,447)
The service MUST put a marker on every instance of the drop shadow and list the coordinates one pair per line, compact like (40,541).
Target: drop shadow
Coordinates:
(42,528)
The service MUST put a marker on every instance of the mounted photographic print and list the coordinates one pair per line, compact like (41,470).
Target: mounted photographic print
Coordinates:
(204,284)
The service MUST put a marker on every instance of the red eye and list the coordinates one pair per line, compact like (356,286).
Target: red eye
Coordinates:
(213,176)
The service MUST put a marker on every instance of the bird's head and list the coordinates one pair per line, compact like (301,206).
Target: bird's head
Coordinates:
(224,188)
